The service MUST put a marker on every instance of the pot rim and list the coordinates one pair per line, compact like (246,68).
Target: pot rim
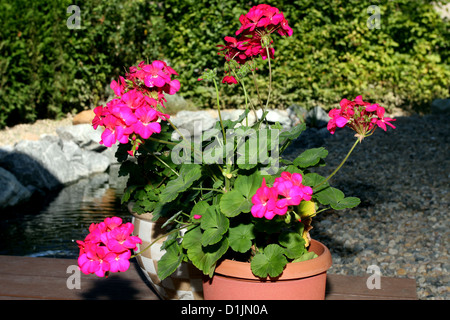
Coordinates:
(295,270)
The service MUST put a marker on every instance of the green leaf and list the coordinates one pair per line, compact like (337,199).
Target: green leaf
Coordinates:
(336,199)
(240,198)
(204,258)
(189,173)
(214,224)
(270,262)
(247,185)
(294,244)
(233,203)
(240,237)
(330,196)
(170,261)
(314,179)
(306,256)
(310,157)
(346,203)
(200,208)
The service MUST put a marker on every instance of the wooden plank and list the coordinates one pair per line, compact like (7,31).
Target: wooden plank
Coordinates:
(46,278)
(342,287)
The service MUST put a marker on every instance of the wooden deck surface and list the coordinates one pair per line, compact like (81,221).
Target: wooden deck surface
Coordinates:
(47,278)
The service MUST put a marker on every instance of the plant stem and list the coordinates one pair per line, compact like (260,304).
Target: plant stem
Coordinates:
(218,111)
(270,87)
(160,160)
(208,189)
(257,89)
(161,237)
(339,167)
(162,141)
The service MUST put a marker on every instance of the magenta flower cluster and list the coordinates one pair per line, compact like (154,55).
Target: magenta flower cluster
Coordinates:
(107,247)
(363,117)
(256,25)
(134,112)
(286,191)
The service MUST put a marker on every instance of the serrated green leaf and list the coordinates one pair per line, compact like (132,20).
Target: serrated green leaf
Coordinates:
(306,256)
(170,261)
(314,179)
(294,244)
(240,237)
(247,185)
(270,262)
(346,203)
(215,224)
(233,203)
(204,258)
(330,196)
(310,157)
(189,173)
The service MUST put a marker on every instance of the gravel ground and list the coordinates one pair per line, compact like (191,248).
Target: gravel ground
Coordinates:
(402,179)
(12,135)
(402,223)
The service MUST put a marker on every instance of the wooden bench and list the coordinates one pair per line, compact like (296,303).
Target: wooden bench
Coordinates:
(47,278)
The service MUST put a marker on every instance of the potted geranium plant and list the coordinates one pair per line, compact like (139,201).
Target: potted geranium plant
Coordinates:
(228,198)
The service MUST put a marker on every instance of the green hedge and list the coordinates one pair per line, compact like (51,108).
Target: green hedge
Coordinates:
(48,70)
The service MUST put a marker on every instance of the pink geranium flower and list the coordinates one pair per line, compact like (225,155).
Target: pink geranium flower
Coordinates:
(147,124)
(107,247)
(359,115)
(264,201)
(229,80)
(119,262)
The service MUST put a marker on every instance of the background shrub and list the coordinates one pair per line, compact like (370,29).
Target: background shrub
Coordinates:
(48,70)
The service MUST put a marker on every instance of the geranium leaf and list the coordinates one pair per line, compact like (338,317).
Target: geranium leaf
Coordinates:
(170,261)
(314,179)
(330,196)
(270,262)
(189,173)
(294,244)
(233,203)
(310,157)
(306,256)
(240,237)
(214,224)
(247,185)
(346,203)
(203,258)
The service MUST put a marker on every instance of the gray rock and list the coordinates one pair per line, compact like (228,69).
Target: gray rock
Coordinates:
(29,171)
(83,135)
(52,158)
(297,114)
(275,116)
(94,161)
(192,123)
(12,191)
(317,117)
(440,106)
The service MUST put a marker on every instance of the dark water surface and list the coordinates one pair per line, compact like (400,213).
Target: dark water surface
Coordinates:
(50,229)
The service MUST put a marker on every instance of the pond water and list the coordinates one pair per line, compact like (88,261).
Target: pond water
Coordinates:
(51,228)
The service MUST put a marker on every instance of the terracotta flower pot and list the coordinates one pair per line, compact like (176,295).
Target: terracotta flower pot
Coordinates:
(306,280)
(184,284)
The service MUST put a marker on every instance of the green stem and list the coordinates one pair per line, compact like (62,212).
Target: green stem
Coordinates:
(339,167)
(172,125)
(208,189)
(161,237)
(218,111)
(160,160)
(257,89)
(270,86)
(162,141)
